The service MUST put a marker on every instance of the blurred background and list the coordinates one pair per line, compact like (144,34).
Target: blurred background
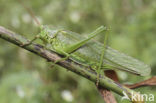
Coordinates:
(27,78)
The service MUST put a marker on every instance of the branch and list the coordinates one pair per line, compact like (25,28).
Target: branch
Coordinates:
(68,64)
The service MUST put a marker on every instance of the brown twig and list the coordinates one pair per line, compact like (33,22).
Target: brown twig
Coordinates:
(148,82)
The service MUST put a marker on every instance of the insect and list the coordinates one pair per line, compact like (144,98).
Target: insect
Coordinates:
(85,51)
(58,43)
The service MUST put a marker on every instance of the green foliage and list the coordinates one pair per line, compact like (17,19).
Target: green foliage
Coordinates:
(133,31)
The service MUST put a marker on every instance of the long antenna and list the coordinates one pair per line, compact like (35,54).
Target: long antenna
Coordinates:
(30,12)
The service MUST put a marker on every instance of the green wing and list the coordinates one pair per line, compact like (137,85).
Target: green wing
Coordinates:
(91,52)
